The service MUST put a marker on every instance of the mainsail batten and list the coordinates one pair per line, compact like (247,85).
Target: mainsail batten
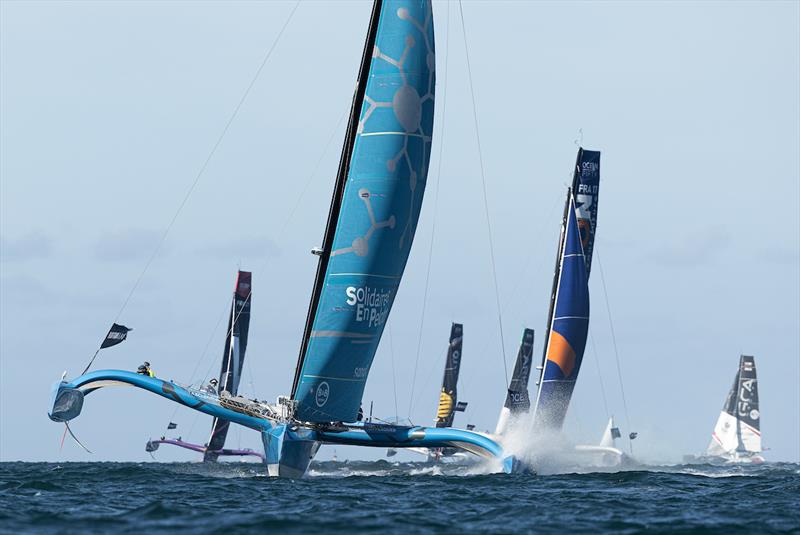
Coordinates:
(368,244)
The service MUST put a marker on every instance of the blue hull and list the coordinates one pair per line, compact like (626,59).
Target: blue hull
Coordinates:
(288,448)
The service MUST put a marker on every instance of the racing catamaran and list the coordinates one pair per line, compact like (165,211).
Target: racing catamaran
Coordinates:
(371,224)
(230,376)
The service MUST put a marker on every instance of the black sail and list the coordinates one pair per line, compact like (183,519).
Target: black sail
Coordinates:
(747,402)
(230,374)
(517,399)
(448,399)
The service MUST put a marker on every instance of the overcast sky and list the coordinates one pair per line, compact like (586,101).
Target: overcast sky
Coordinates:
(109,109)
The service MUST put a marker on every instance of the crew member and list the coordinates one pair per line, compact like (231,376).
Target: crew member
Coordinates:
(144,369)
(211,387)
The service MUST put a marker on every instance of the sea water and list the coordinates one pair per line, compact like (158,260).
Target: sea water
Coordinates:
(385,497)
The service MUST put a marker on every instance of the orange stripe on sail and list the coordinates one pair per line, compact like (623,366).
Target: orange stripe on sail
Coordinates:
(561,353)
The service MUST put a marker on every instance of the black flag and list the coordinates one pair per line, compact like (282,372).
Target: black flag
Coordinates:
(172,425)
(461,406)
(633,435)
(615,432)
(116,334)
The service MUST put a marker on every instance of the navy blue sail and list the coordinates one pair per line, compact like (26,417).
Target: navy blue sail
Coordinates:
(374,212)
(568,327)
(586,188)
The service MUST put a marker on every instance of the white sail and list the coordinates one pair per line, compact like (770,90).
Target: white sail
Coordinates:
(610,435)
(724,439)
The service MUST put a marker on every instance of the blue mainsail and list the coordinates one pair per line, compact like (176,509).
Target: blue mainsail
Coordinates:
(586,187)
(568,329)
(385,167)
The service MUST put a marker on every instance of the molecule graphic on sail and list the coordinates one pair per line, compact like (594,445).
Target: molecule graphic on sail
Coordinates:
(407,107)
(361,244)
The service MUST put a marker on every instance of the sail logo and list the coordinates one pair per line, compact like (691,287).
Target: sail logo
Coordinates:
(746,391)
(589,168)
(371,304)
(322,394)
(518,397)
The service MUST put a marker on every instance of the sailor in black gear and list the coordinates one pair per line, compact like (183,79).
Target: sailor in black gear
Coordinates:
(211,388)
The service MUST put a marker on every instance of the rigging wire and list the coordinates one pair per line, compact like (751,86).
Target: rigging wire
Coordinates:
(599,374)
(435,213)
(201,359)
(616,351)
(485,200)
(281,232)
(203,168)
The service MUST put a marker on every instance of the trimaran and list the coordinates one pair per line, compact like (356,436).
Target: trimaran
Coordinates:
(371,224)
(230,377)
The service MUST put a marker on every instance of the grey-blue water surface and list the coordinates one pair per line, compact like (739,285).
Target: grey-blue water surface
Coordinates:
(390,497)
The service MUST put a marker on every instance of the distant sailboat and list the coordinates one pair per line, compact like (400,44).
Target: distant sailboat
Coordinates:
(737,436)
(448,397)
(230,375)
(606,452)
(517,401)
(370,228)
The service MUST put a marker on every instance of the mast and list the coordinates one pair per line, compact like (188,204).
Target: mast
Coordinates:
(338,190)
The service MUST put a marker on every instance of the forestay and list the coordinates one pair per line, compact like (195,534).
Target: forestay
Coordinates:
(374,212)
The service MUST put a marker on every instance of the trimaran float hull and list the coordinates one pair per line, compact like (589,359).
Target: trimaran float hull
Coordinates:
(289,446)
